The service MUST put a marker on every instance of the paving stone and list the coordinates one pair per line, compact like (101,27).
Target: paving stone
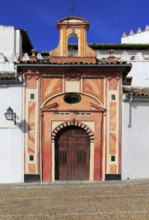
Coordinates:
(75,201)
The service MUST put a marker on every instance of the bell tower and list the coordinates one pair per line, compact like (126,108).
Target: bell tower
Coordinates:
(73,27)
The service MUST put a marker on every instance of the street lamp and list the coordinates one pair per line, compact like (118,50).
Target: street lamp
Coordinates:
(10,115)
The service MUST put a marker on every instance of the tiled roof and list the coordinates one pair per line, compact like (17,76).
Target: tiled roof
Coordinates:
(106,46)
(136,91)
(115,46)
(101,62)
(7,75)
(38,58)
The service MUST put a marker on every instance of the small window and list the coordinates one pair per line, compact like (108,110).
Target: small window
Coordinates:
(61,113)
(88,113)
(72,98)
(32,96)
(113,97)
(31,157)
(112,158)
(77,113)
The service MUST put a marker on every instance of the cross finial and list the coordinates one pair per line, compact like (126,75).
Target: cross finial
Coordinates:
(72,7)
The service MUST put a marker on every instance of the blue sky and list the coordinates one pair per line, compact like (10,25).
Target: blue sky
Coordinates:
(108,18)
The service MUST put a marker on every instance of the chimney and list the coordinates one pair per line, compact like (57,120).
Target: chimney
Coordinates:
(111,57)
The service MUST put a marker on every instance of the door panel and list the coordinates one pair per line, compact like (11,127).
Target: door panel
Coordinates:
(72,154)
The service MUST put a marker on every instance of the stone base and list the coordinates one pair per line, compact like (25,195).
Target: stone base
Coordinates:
(109,177)
(30,178)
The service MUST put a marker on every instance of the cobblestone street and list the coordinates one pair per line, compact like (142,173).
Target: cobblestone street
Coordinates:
(79,201)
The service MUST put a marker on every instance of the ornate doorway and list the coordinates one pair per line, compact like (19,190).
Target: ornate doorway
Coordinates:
(72,154)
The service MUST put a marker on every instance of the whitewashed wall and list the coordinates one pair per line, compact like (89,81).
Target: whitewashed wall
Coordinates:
(140,73)
(10,42)
(135,141)
(11,136)
(141,38)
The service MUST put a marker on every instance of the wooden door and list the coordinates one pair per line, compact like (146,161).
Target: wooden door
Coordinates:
(72,154)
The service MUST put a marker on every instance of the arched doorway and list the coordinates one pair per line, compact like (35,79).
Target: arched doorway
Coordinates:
(72,154)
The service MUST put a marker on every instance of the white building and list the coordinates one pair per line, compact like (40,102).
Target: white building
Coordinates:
(135,121)
(13,43)
(140,37)
(135,106)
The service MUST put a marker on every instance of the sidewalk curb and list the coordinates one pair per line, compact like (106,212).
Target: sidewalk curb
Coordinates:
(68,184)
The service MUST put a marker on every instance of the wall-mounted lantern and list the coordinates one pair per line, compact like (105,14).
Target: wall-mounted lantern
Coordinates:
(11,115)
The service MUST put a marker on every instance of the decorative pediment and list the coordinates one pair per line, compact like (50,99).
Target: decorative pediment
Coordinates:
(50,106)
(73,20)
(82,102)
(97,107)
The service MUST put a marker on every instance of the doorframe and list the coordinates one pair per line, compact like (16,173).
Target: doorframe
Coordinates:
(91,160)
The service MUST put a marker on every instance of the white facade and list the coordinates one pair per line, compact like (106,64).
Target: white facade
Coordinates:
(11,136)
(11,42)
(135,120)
(134,38)
(11,94)
(135,139)
(140,73)
(135,114)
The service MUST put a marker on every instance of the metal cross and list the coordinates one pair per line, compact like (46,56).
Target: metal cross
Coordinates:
(72,7)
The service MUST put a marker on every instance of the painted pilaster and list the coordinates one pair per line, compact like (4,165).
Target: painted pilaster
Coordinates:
(113,127)
(31,126)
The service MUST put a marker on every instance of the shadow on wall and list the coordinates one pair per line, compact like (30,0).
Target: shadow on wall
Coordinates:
(23,126)
(138,112)
(140,104)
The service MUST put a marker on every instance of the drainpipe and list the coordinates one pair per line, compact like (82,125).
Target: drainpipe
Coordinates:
(130,101)
(40,144)
(40,134)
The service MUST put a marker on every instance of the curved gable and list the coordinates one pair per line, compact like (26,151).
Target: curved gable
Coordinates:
(87,103)
(73,19)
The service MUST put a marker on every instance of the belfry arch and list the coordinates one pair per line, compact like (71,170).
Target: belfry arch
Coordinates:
(73,38)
